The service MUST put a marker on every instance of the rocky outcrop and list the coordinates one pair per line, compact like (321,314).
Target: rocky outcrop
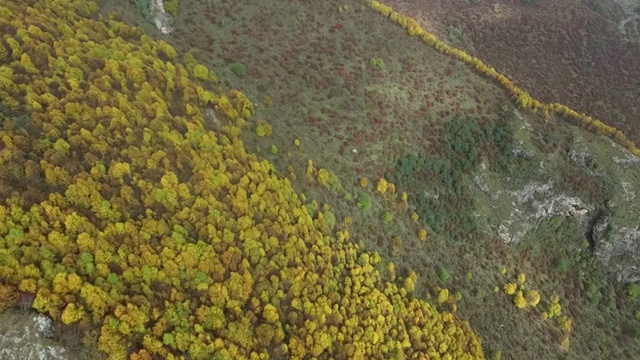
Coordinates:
(614,234)
(27,335)
(160,18)
(516,203)
(618,247)
(534,203)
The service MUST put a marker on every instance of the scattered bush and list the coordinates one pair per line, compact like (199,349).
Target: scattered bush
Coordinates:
(239,69)
(593,294)
(171,7)
(364,201)
(143,8)
(442,198)
(633,291)
(562,265)
(444,274)
(378,62)
(166,239)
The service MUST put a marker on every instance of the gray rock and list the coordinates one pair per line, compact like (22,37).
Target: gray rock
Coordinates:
(618,248)
(161,19)
(533,204)
(521,153)
(582,158)
(516,204)
(27,335)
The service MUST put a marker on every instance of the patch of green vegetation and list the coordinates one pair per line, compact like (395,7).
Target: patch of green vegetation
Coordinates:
(562,265)
(439,181)
(438,187)
(458,35)
(633,291)
(364,201)
(239,69)
(378,62)
(559,236)
(464,138)
(329,220)
(112,278)
(171,7)
(335,183)
(444,274)
(311,209)
(189,59)
(593,294)
(143,9)
(502,138)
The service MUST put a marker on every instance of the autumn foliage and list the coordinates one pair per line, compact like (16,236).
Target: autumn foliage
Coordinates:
(121,212)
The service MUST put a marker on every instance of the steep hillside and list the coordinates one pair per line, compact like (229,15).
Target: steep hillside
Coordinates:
(366,101)
(132,213)
(304,179)
(581,52)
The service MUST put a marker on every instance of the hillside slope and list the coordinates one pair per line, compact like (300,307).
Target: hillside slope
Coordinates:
(573,52)
(124,218)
